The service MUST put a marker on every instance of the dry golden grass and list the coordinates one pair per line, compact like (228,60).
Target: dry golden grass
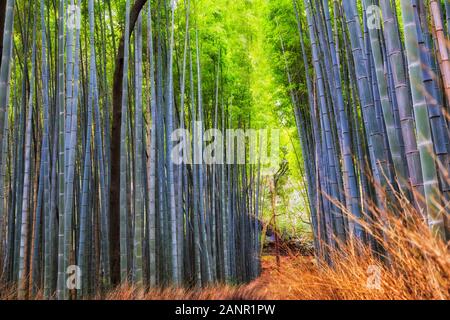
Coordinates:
(252,291)
(7,292)
(417,266)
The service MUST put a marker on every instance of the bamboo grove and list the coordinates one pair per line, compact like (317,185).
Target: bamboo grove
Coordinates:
(375,129)
(87,177)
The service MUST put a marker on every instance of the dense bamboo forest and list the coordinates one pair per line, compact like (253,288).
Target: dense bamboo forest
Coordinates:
(156,144)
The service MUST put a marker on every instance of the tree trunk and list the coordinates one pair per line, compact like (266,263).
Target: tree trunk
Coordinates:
(115,149)
(2,24)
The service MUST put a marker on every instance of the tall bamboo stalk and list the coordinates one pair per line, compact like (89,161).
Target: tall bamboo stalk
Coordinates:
(425,144)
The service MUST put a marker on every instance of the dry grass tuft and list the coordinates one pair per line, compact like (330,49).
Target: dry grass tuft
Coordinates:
(7,292)
(251,291)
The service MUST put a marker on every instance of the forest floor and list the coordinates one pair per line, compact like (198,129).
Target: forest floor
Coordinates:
(361,276)
(298,276)
(267,286)
(301,278)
